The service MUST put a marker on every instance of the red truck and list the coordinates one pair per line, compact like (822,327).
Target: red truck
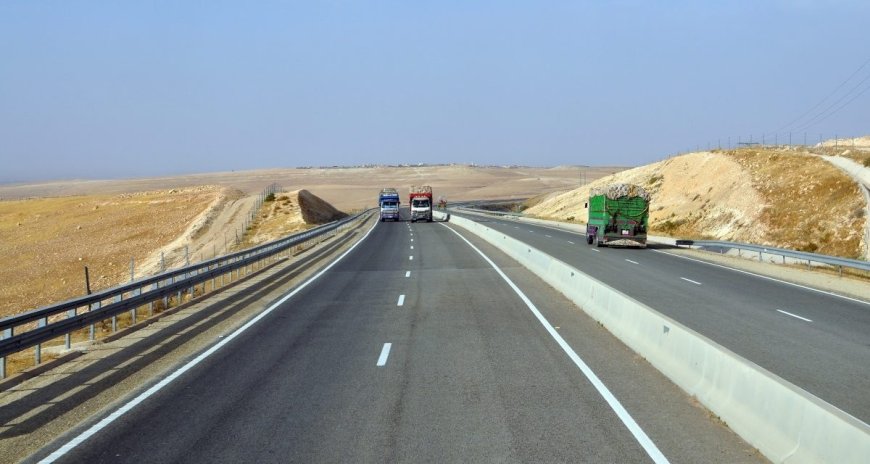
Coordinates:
(421,203)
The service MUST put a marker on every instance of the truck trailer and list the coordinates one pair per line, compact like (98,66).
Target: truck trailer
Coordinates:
(420,198)
(388,202)
(618,216)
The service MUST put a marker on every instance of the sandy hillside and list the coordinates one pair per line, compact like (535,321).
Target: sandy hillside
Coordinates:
(772,197)
(288,213)
(47,242)
(861,143)
(63,226)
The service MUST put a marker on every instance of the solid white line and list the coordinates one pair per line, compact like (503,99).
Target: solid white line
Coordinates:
(632,262)
(169,379)
(651,449)
(794,315)
(690,280)
(766,278)
(385,353)
(401,300)
(407,273)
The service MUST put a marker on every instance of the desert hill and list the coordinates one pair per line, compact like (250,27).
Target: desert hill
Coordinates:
(288,213)
(52,230)
(51,240)
(769,196)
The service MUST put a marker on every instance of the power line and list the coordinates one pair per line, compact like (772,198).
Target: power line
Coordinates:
(822,116)
(823,100)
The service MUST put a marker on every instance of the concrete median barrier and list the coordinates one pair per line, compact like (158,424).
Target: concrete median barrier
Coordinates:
(786,423)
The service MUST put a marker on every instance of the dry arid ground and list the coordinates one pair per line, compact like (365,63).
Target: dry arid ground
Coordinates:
(287,213)
(50,231)
(775,197)
(47,242)
(347,189)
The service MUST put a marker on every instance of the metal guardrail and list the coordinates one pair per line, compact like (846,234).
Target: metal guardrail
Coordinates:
(799,256)
(489,211)
(18,333)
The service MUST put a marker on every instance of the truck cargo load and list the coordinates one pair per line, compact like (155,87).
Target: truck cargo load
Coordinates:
(420,198)
(618,215)
(388,202)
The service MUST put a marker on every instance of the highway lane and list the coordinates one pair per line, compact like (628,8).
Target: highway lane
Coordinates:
(813,339)
(430,359)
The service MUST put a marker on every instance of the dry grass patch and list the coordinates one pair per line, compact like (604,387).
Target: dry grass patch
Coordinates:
(47,242)
(809,205)
(285,214)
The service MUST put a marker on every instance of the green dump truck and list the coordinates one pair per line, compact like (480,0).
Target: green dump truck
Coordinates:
(618,216)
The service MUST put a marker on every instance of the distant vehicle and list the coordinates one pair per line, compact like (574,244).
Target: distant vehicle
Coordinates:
(618,216)
(388,201)
(421,203)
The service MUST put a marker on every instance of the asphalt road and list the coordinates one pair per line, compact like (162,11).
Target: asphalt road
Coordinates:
(413,348)
(815,340)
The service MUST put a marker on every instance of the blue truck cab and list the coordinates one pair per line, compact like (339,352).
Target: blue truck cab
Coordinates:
(388,201)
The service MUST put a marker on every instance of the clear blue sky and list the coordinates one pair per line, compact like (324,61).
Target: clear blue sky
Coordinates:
(108,89)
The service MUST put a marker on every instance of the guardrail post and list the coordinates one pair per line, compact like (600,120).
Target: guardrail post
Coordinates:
(179,293)
(115,318)
(135,292)
(93,330)
(42,323)
(67,339)
(134,313)
(6,334)
(154,286)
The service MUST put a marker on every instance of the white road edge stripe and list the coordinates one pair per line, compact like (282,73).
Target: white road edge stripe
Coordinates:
(856,300)
(169,379)
(690,280)
(401,300)
(794,315)
(385,353)
(651,449)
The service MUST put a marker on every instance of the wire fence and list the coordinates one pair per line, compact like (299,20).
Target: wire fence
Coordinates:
(788,140)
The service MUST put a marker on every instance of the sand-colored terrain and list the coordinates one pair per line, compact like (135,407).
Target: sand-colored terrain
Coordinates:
(774,197)
(288,213)
(60,227)
(347,189)
(47,242)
